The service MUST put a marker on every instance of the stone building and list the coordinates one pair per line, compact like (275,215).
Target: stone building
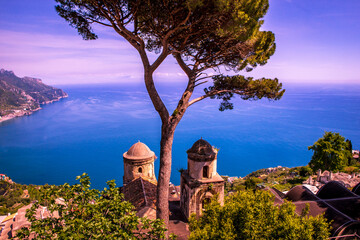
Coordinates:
(348,180)
(200,183)
(355,154)
(140,189)
(139,162)
(140,180)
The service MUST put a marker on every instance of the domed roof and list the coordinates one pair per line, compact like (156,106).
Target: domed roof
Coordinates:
(334,189)
(139,151)
(300,193)
(201,150)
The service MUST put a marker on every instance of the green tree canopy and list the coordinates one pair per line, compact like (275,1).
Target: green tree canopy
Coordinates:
(251,182)
(253,215)
(89,214)
(202,35)
(330,153)
(305,171)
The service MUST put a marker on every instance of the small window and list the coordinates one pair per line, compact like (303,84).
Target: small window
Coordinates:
(206,172)
(140,170)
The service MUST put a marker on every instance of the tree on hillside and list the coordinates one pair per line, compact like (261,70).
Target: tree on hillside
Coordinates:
(349,148)
(330,153)
(305,171)
(251,182)
(200,35)
(88,213)
(253,215)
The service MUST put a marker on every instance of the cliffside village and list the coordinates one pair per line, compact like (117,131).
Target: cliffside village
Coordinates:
(328,193)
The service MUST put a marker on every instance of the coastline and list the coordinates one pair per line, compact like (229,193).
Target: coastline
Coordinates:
(21,113)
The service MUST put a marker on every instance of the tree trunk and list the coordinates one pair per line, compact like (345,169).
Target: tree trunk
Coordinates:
(168,127)
(162,198)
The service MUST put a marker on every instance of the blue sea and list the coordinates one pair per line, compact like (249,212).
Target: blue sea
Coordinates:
(91,129)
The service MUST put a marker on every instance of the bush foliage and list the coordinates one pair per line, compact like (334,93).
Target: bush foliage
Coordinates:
(89,214)
(253,215)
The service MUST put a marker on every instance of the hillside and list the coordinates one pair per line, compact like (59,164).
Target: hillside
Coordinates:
(14,196)
(22,96)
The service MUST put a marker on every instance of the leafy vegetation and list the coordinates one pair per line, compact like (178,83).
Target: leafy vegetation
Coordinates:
(251,183)
(253,215)
(350,169)
(86,213)
(14,196)
(331,152)
(305,171)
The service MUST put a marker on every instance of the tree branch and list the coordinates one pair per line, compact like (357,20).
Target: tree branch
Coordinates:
(183,103)
(161,58)
(213,93)
(200,83)
(101,23)
(199,79)
(118,25)
(198,99)
(182,64)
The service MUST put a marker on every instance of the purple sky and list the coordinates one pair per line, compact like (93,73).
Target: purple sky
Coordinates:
(317,41)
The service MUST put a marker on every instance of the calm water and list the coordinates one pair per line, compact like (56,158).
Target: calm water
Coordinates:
(90,130)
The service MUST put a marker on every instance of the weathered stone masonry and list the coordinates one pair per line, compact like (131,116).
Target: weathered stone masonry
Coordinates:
(200,183)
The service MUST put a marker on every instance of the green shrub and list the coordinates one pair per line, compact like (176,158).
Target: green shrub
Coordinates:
(350,169)
(305,171)
(253,215)
(251,183)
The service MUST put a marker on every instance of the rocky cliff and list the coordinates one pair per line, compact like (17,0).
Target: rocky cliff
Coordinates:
(22,96)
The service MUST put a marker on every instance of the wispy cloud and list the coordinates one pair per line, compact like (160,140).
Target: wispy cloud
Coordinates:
(59,41)
(314,44)
(63,59)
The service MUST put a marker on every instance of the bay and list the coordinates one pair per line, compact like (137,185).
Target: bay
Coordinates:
(91,129)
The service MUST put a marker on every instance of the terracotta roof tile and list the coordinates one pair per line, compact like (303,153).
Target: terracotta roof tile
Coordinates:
(140,193)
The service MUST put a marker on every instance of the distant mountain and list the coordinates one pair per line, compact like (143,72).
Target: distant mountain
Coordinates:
(22,96)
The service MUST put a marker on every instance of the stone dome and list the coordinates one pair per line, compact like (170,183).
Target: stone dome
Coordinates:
(201,150)
(139,151)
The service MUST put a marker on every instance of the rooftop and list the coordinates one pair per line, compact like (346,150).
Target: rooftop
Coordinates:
(338,204)
(139,151)
(201,150)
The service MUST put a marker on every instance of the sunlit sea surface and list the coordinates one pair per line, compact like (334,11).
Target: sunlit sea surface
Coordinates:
(91,129)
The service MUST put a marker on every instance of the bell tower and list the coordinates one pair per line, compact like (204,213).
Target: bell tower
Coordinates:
(139,162)
(200,182)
